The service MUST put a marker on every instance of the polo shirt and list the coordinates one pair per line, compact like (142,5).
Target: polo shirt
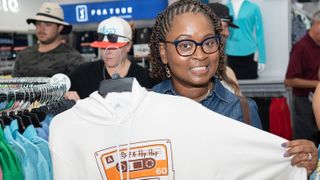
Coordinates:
(304,63)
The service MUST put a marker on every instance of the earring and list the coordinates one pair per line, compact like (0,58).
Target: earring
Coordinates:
(168,73)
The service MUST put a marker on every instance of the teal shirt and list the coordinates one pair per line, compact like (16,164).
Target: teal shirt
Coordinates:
(28,169)
(31,134)
(36,157)
(249,37)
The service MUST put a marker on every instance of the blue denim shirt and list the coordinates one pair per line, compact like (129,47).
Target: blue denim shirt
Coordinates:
(220,100)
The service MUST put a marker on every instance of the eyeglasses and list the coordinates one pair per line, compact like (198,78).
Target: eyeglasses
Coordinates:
(111,37)
(188,47)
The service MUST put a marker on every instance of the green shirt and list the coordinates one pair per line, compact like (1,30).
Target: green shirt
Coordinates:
(10,165)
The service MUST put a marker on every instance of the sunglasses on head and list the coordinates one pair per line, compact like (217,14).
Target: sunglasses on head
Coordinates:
(111,37)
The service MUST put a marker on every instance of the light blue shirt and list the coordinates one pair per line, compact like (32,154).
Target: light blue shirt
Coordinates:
(36,158)
(28,169)
(250,36)
(41,132)
(31,134)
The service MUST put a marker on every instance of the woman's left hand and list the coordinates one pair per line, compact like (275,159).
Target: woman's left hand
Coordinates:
(304,152)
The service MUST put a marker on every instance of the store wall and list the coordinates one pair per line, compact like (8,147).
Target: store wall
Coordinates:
(13,14)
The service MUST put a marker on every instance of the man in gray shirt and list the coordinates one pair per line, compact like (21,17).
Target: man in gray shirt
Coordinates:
(51,55)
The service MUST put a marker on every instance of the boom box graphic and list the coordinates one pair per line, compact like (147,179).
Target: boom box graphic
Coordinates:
(143,160)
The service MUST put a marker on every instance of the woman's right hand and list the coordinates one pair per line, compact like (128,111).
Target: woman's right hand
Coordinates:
(71,95)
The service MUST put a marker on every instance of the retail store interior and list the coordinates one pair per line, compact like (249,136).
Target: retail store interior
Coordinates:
(285,22)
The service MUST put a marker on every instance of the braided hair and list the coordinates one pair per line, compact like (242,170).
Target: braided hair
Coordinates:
(162,26)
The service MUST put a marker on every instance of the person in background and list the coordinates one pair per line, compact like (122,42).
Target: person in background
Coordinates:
(50,55)
(222,12)
(187,54)
(302,76)
(114,42)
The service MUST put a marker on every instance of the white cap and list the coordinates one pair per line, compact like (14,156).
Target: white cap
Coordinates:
(117,26)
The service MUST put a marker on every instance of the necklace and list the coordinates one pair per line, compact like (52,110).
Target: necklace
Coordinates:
(207,94)
(116,74)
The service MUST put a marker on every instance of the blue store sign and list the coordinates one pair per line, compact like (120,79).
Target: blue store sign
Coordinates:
(127,9)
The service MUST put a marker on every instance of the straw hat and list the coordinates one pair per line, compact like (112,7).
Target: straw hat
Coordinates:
(51,12)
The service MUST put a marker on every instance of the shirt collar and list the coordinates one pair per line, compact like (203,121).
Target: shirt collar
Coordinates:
(166,87)
(219,90)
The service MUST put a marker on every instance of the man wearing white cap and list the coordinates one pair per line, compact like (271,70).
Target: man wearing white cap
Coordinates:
(114,42)
(50,55)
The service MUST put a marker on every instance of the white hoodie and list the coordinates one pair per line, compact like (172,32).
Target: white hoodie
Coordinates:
(170,137)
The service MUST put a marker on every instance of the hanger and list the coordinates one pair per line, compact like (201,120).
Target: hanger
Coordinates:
(34,118)
(26,120)
(2,123)
(115,85)
(6,119)
(21,126)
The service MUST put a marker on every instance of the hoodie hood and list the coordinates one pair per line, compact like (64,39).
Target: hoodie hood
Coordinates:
(114,108)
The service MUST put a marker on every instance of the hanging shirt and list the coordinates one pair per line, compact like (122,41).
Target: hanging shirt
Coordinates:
(147,135)
(249,37)
(29,170)
(31,134)
(10,165)
(36,158)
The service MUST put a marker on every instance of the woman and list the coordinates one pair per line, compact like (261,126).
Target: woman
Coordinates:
(187,54)
(192,71)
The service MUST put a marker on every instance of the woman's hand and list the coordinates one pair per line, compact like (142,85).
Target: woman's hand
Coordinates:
(71,95)
(304,152)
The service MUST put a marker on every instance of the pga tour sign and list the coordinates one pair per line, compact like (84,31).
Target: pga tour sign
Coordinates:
(127,9)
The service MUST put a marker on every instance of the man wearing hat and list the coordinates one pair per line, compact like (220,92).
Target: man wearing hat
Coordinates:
(50,55)
(114,37)
(222,12)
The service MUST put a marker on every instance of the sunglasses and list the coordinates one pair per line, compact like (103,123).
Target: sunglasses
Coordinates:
(111,37)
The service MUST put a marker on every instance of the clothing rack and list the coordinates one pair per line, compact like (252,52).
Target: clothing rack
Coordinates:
(42,89)
(267,87)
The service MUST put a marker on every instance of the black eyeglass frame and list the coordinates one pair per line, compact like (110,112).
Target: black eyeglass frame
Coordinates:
(176,42)
(111,37)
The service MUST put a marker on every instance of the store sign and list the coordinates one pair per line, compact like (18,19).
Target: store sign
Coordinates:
(127,9)
(10,6)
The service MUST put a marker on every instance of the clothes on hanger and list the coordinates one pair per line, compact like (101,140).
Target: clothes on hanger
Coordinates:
(300,23)
(11,167)
(280,119)
(26,106)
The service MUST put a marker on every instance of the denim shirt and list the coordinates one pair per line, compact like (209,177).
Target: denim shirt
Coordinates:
(220,100)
